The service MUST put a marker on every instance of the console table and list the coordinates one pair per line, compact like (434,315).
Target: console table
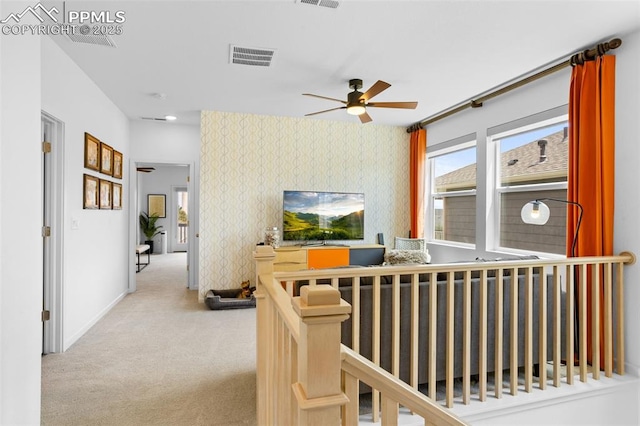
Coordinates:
(298,258)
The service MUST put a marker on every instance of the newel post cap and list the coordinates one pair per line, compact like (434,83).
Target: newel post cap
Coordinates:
(319,300)
(264,252)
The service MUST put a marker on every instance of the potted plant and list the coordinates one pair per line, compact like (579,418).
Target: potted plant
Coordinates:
(149,228)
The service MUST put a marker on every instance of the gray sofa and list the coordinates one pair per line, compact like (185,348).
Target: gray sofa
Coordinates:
(366,310)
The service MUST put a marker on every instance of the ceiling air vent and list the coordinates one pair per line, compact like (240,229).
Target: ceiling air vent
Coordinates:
(254,56)
(102,40)
(333,4)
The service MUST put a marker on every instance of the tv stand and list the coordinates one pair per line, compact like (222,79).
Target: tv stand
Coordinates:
(318,255)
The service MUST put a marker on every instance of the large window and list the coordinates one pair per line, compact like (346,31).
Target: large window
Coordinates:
(532,165)
(453,194)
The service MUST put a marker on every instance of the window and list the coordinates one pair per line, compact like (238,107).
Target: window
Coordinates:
(533,164)
(453,194)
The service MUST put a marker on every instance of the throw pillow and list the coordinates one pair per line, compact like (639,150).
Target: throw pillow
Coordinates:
(404,257)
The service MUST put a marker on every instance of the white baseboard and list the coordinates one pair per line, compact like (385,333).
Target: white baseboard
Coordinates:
(73,339)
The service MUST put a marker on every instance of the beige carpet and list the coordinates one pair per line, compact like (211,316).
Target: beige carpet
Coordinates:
(157,358)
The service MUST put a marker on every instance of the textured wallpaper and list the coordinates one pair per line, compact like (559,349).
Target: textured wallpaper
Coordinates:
(247,161)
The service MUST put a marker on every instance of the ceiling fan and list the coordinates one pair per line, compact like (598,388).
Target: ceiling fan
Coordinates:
(145,169)
(357,102)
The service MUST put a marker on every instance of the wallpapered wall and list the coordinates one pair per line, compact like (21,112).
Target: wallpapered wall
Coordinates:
(248,160)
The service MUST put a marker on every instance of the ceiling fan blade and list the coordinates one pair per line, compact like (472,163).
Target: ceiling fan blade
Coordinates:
(324,97)
(365,118)
(378,87)
(326,110)
(145,169)
(406,105)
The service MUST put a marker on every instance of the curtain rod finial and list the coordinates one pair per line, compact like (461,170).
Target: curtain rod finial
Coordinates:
(615,43)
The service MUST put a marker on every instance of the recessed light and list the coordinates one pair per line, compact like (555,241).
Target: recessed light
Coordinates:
(170,117)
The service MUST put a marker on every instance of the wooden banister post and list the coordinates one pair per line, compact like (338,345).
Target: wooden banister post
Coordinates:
(318,391)
(264,256)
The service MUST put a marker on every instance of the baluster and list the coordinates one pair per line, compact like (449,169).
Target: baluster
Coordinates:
(432,346)
(499,330)
(557,332)
(375,338)
(542,329)
(608,318)
(595,321)
(570,319)
(415,329)
(482,341)
(449,351)
(528,330)
(466,338)
(395,326)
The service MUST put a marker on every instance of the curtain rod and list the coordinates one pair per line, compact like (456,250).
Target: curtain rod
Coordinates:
(576,59)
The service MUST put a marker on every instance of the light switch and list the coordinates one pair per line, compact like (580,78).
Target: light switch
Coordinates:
(75,223)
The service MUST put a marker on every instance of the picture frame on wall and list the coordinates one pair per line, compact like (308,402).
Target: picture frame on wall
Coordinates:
(116,190)
(106,159)
(117,164)
(105,194)
(156,205)
(91,152)
(91,192)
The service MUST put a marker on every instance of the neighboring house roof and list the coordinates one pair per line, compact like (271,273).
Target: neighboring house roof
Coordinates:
(519,165)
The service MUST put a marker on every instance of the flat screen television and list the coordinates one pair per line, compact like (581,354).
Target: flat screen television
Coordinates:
(320,216)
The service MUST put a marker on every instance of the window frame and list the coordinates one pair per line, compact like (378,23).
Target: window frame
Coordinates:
(493,139)
(448,147)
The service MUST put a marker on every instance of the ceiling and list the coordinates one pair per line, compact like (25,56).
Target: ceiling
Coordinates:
(439,53)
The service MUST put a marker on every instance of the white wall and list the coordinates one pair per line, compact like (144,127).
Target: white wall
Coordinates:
(96,255)
(20,221)
(627,231)
(164,142)
(550,92)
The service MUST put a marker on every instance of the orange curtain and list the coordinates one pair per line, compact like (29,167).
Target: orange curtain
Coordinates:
(591,166)
(417,159)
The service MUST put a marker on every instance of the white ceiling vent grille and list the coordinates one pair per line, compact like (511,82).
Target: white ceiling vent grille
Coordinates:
(257,57)
(102,40)
(333,4)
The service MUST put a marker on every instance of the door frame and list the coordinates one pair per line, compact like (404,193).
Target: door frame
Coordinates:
(192,246)
(53,268)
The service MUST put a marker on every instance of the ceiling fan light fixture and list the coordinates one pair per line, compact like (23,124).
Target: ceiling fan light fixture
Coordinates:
(356,109)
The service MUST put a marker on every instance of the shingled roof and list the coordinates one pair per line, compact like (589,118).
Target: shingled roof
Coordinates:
(523,164)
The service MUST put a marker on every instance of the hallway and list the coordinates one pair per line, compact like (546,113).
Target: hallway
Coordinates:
(157,358)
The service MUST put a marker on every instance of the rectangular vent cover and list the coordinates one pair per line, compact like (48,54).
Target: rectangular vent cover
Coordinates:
(257,57)
(333,4)
(102,40)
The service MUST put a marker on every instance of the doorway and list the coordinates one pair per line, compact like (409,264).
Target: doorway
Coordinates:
(177,181)
(52,132)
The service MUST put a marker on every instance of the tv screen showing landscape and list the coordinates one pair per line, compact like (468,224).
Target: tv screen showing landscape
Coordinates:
(320,216)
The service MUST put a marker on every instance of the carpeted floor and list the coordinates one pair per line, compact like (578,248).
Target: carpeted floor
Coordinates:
(157,358)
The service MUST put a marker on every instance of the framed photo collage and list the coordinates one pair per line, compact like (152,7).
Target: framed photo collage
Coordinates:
(99,193)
